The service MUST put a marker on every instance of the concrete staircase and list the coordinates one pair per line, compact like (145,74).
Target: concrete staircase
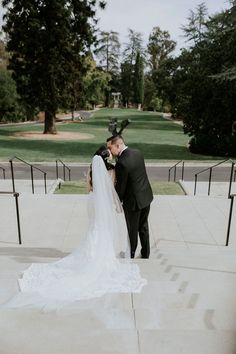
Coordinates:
(187,307)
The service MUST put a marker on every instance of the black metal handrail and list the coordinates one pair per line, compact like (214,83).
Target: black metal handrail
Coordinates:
(32,168)
(16,195)
(230,217)
(64,170)
(3,172)
(210,176)
(175,167)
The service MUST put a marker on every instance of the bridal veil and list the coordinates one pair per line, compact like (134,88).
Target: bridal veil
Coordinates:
(100,264)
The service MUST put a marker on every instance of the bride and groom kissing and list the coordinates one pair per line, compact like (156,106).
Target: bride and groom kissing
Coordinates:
(118,209)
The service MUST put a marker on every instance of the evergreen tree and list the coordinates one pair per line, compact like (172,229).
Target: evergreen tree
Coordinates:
(10,109)
(108,50)
(160,45)
(196,27)
(160,48)
(48,41)
(126,82)
(205,87)
(132,47)
(138,80)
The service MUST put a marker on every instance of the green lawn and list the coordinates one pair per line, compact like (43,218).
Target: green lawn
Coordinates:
(157,138)
(79,187)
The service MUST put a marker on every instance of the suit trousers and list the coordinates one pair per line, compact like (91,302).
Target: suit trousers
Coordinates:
(137,224)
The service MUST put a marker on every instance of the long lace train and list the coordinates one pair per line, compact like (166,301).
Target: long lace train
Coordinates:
(100,264)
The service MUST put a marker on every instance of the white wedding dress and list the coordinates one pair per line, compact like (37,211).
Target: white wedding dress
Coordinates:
(100,264)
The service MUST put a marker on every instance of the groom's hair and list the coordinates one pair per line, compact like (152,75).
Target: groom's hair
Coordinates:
(114,138)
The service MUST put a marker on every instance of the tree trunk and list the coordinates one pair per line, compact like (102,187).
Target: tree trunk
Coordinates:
(49,123)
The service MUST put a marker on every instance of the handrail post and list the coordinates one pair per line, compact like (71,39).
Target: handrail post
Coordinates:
(175,173)
(16,195)
(57,169)
(182,171)
(169,175)
(231,178)
(12,176)
(209,184)
(195,184)
(69,175)
(32,178)
(230,217)
(64,172)
(45,182)
(3,172)
(234,175)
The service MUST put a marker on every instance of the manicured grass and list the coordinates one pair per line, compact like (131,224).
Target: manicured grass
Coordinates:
(157,138)
(75,187)
(161,188)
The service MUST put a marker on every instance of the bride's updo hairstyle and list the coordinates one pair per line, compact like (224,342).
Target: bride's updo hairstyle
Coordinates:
(105,155)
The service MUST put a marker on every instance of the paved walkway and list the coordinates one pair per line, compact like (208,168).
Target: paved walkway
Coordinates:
(187,307)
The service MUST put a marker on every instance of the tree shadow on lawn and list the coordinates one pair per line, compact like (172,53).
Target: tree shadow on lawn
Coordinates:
(169,152)
(41,150)
(142,125)
(6,132)
(134,118)
(157,126)
(48,148)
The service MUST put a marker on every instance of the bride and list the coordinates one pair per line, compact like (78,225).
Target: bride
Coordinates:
(100,264)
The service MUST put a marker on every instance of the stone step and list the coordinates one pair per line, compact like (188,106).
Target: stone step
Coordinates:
(111,318)
(185,319)
(187,342)
(178,301)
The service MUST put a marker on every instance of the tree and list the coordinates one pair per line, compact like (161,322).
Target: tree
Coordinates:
(138,80)
(196,27)
(126,82)
(134,45)
(4,55)
(108,50)
(94,84)
(48,41)
(10,109)
(206,88)
(159,47)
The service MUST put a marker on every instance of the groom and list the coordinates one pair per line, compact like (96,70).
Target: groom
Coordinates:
(134,190)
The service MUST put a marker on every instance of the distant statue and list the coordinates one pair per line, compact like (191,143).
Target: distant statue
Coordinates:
(112,127)
(116,97)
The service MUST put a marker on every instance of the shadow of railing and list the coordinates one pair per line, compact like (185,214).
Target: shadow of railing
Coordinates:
(3,172)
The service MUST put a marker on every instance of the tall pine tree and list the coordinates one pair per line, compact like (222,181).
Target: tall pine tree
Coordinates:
(138,80)
(48,40)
